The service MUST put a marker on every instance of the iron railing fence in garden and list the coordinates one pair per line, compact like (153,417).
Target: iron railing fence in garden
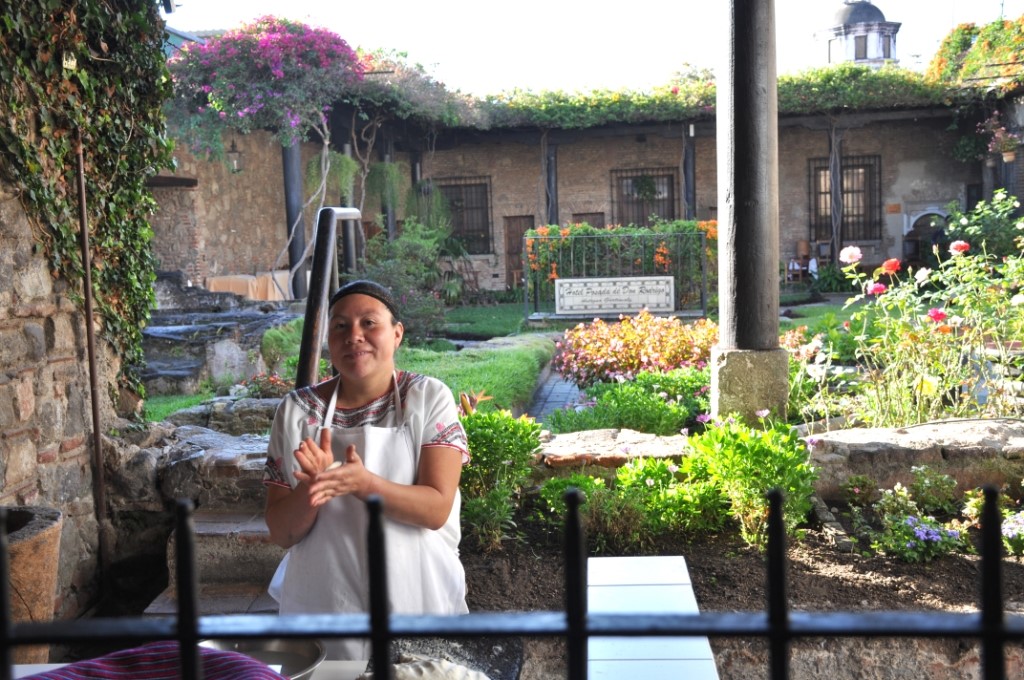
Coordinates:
(777,625)
(683,256)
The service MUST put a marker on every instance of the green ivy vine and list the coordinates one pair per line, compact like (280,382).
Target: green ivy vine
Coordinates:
(91,70)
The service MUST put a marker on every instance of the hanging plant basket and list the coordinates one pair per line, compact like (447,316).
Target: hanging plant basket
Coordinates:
(990,161)
(1009,156)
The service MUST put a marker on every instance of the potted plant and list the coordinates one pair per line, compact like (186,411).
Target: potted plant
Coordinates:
(1002,141)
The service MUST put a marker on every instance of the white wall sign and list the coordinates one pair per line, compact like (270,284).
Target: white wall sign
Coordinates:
(615,295)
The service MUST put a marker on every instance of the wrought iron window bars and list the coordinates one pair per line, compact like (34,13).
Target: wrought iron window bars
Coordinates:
(777,624)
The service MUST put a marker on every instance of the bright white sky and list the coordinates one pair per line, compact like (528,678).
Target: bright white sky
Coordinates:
(482,48)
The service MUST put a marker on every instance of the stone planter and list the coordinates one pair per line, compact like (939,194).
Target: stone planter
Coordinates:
(33,535)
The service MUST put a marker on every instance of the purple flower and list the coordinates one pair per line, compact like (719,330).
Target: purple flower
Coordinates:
(763,413)
(704,418)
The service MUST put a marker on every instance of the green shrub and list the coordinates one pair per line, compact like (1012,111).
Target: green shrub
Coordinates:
(933,492)
(553,490)
(489,518)
(658,403)
(280,343)
(501,449)
(674,497)
(746,463)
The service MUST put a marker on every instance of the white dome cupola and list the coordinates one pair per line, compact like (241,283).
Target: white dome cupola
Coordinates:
(860,34)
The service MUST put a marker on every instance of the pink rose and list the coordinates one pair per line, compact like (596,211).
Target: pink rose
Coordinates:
(875,288)
(959,247)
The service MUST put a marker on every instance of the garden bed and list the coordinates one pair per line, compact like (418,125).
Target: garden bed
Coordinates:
(729,576)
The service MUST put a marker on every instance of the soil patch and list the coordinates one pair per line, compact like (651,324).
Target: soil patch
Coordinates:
(729,576)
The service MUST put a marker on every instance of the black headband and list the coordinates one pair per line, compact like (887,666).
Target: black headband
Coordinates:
(367,287)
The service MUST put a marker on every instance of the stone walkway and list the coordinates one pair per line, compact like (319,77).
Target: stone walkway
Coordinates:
(552,394)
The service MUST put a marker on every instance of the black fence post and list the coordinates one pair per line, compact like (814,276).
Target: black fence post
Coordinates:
(188,599)
(575,587)
(380,626)
(993,662)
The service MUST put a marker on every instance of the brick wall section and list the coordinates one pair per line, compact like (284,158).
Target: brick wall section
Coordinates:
(230,223)
(916,165)
(45,413)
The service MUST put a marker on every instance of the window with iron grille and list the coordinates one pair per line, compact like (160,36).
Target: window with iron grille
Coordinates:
(862,198)
(594,219)
(641,193)
(469,206)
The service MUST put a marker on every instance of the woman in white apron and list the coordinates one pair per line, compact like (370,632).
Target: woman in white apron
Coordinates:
(369,430)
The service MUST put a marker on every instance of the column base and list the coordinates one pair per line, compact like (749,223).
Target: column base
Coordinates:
(744,382)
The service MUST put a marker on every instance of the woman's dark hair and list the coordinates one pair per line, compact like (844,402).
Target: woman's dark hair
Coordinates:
(367,287)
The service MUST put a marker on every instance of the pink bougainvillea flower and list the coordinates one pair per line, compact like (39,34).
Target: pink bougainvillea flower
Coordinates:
(959,247)
(890,266)
(875,288)
(850,255)
(936,314)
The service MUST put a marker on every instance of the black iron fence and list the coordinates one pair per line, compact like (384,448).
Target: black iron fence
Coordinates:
(777,624)
(681,255)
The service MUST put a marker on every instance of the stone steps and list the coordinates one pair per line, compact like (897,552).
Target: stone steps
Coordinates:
(235,561)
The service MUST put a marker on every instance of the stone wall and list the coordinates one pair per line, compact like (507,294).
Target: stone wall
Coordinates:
(228,223)
(45,411)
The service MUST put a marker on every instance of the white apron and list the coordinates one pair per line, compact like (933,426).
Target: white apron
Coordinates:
(327,571)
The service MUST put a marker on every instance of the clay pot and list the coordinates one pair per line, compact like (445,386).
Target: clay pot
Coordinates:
(33,536)
(1009,156)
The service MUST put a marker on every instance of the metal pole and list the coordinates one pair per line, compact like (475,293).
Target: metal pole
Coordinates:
(99,486)
(316,300)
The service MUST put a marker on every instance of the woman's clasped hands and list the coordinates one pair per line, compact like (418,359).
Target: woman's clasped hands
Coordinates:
(327,478)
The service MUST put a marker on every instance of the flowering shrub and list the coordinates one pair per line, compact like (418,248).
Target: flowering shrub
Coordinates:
(605,352)
(263,385)
(1013,534)
(924,338)
(859,490)
(271,74)
(917,539)
(992,225)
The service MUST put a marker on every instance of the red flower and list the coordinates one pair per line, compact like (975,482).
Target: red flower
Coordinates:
(936,314)
(959,247)
(891,266)
(875,288)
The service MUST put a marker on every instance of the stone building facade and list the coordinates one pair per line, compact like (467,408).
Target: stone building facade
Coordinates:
(899,165)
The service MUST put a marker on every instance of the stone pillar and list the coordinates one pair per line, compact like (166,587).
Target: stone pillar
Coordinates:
(749,371)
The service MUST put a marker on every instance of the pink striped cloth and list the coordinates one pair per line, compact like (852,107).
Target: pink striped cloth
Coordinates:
(161,661)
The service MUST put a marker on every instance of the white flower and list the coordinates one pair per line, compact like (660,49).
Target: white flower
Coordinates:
(963,221)
(921,275)
(1020,225)
(1017,299)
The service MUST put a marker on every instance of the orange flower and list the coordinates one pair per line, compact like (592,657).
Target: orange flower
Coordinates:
(890,266)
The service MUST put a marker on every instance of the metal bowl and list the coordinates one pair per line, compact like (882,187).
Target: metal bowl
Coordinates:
(297,658)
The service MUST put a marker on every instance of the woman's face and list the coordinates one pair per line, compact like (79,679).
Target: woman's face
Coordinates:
(362,338)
